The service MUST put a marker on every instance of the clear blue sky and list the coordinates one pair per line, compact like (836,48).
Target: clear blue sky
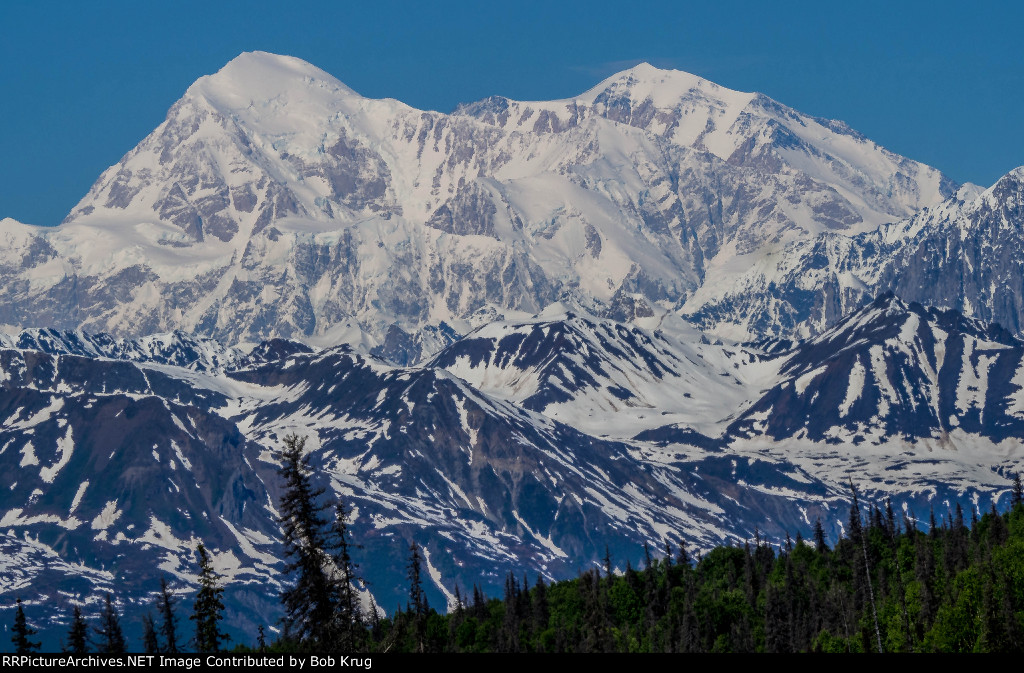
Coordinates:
(81,83)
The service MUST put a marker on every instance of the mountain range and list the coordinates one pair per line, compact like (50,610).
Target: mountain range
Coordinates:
(276,201)
(521,334)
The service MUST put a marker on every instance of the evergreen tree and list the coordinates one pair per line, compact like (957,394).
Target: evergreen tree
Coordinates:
(1017,493)
(309,603)
(417,606)
(683,558)
(208,609)
(924,574)
(508,640)
(417,597)
(168,625)
(22,633)
(997,529)
(111,638)
(890,519)
(479,602)
(78,634)
(150,644)
(348,612)
(858,537)
(593,636)
(541,612)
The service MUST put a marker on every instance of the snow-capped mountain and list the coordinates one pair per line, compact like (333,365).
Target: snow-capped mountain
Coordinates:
(177,348)
(114,469)
(275,201)
(895,370)
(909,398)
(609,378)
(659,310)
(527,446)
(963,254)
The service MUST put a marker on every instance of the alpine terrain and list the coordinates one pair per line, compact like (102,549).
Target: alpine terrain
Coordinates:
(522,335)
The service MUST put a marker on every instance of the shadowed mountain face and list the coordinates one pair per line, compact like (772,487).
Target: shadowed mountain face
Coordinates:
(529,445)
(896,370)
(353,238)
(962,254)
(276,202)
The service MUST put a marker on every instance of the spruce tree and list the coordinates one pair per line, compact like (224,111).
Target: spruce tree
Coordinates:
(683,559)
(208,609)
(78,634)
(858,536)
(168,625)
(541,612)
(417,605)
(150,644)
(309,603)
(111,638)
(479,602)
(348,613)
(22,633)
(508,634)
(261,640)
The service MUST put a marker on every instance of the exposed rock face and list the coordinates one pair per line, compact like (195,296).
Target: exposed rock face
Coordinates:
(525,446)
(967,256)
(963,254)
(895,370)
(275,201)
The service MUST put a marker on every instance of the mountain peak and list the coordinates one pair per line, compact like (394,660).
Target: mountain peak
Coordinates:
(257,77)
(1016,176)
(1007,190)
(664,86)
(644,69)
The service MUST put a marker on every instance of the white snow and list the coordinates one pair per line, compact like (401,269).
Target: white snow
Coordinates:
(854,389)
(65,446)
(106,518)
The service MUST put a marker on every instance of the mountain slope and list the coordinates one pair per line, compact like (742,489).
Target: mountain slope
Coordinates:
(895,370)
(275,201)
(118,457)
(963,254)
(605,377)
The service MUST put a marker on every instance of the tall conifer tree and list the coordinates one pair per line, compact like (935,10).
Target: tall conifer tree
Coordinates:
(309,603)
(109,631)
(168,625)
(417,606)
(208,609)
(22,633)
(348,613)
(150,643)
(78,634)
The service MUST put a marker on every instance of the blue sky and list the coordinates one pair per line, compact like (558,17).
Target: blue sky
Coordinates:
(82,83)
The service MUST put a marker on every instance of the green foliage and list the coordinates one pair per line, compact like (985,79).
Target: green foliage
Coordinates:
(78,634)
(950,590)
(953,589)
(22,633)
(208,609)
(111,638)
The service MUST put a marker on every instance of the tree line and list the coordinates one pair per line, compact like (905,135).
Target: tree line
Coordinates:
(107,636)
(885,585)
